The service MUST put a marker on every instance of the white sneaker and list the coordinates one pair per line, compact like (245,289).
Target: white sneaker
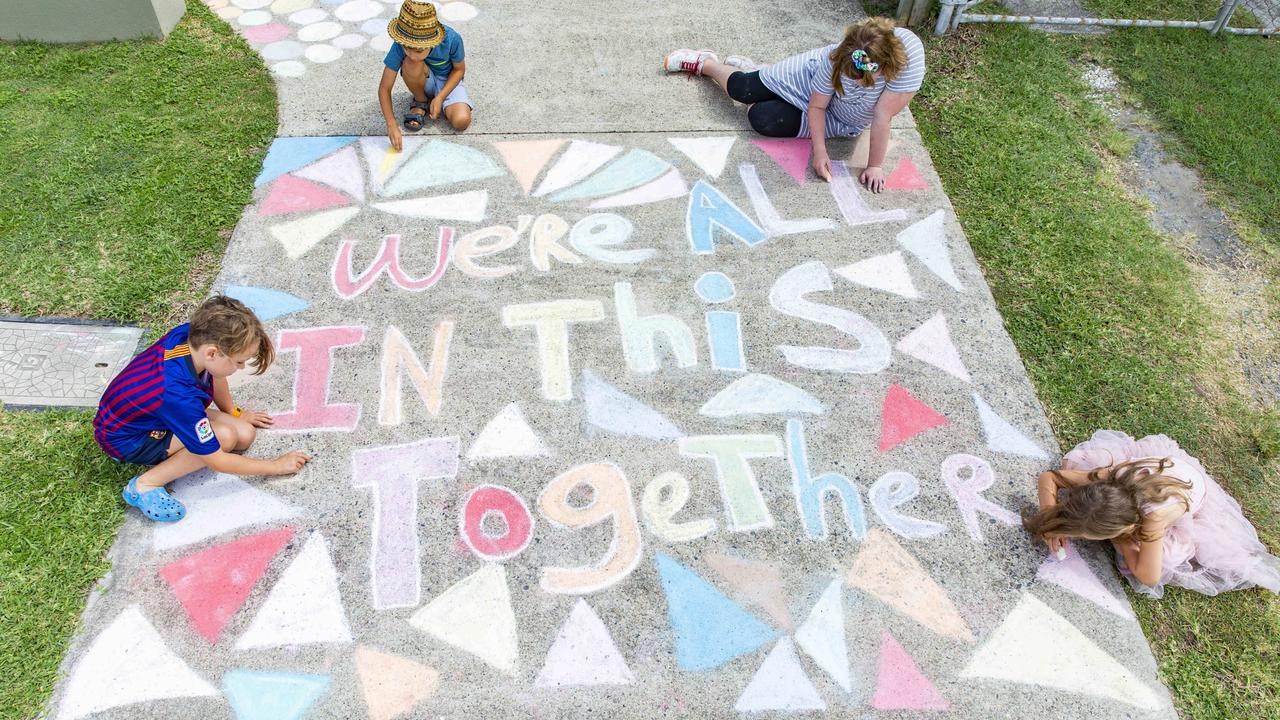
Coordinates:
(742,63)
(688,61)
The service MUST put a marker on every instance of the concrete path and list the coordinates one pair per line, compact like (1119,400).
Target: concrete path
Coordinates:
(611,424)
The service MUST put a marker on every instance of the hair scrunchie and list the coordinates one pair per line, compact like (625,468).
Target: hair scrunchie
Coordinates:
(862,61)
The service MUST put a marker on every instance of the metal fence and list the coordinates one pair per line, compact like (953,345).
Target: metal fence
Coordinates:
(1240,17)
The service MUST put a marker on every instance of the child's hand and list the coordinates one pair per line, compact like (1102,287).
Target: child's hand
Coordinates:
(1056,544)
(289,463)
(258,419)
(437,106)
(873,178)
(822,166)
(393,134)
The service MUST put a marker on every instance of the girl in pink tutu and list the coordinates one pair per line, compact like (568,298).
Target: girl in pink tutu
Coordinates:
(1170,523)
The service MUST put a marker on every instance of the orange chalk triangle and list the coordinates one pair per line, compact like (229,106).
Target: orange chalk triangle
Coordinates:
(901,685)
(393,685)
(758,582)
(884,570)
(905,177)
(904,417)
(526,158)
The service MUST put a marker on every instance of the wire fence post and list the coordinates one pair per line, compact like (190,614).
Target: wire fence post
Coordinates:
(1224,15)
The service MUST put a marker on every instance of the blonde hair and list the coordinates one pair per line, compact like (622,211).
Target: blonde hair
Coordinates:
(230,326)
(875,37)
(1110,505)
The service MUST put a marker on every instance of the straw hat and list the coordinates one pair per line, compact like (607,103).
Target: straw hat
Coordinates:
(416,27)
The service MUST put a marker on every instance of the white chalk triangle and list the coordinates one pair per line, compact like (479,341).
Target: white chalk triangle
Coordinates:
(583,654)
(821,635)
(928,242)
(340,171)
(614,411)
(1004,437)
(461,207)
(780,684)
(882,272)
(299,236)
(128,663)
(931,343)
(383,161)
(507,435)
(1075,575)
(304,607)
(475,615)
(708,153)
(757,394)
(1036,646)
(580,160)
(217,504)
(670,185)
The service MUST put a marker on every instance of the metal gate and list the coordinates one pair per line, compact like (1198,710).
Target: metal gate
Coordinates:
(1241,17)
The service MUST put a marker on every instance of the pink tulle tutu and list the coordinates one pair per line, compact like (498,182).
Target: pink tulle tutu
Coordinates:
(1211,549)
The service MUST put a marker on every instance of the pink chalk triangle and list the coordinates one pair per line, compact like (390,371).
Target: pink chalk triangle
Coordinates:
(901,685)
(1074,574)
(905,177)
(212,584)
(904,417)
(292,194)
(791,154)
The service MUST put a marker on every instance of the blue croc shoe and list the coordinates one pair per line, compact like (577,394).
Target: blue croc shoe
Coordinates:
(156,504)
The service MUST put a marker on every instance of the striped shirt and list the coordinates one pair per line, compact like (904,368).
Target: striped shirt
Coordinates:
(158,390)
(799,76)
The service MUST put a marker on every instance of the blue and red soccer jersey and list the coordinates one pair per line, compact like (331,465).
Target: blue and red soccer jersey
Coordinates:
(158,391)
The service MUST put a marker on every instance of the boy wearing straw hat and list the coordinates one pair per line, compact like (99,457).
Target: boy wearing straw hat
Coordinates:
(429,56)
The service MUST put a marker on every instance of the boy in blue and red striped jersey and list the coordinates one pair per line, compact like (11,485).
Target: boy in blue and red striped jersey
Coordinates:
(157,410)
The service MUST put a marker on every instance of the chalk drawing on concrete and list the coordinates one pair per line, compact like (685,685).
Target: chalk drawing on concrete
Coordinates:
(583,654)
(348,285)
(791,154)
(709,629)
(890,492)
(458,11)
(577,162)
(927,241)
(217,504)
(853,207)
(297,237)
(290,194)
(667,187)
(1003,437)
(758,581)
(266,303)
(724,327)
(906,176)
(714,287)
(967,476)
(882,272)
(745,507)
(393,473)
(392,685)
(708,153)
(1074,575)
(640,334)
(637,167)
(611,502)
(664,497)
(212,584)
(550,322)
(770,219)
(441,163)
(507,434)
(526,158)
(461,207)
(474,615)
(313,374)
(900,685)
(488,504)
(287,154)
(1037,646)
(340,171)
(595,234)
(780,685)
(787,296)
(822,635)
(544,246)
(712,215)
(257,695)
(903,417)
(399,360)
(811,492)
(128,663)
(304,607)
(383,161)
(757,394)
(931,343)
(885,570)
(613,411)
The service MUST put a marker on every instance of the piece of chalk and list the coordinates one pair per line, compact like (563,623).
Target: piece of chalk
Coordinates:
(1062,553)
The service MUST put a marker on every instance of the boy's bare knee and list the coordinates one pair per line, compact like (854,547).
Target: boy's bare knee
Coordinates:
(227,435)
(246,433)
(460,120)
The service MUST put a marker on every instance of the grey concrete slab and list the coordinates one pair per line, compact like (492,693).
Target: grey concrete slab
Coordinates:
(986,638)
(61,364)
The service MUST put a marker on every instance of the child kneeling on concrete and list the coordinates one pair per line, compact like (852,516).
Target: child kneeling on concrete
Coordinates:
(429,56)
(157,410)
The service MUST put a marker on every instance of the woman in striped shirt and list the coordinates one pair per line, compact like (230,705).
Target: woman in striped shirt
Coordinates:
(835,91)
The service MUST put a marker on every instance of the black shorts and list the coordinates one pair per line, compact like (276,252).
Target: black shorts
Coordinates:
(153,450)
(769,114)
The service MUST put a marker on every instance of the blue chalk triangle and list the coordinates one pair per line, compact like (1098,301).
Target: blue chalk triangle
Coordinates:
(290,153)
(710,628)
(441,163)
(267,304)
(631,170)
(272,695)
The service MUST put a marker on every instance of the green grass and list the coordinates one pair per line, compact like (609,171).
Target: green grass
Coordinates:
(1105,314)
(131,162)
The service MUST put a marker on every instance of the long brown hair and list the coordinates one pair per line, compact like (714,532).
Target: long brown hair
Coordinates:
(1110,505)
(230,326)
(875,37)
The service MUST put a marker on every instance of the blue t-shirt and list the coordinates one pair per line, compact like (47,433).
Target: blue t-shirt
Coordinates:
(440,59)
(158,390)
